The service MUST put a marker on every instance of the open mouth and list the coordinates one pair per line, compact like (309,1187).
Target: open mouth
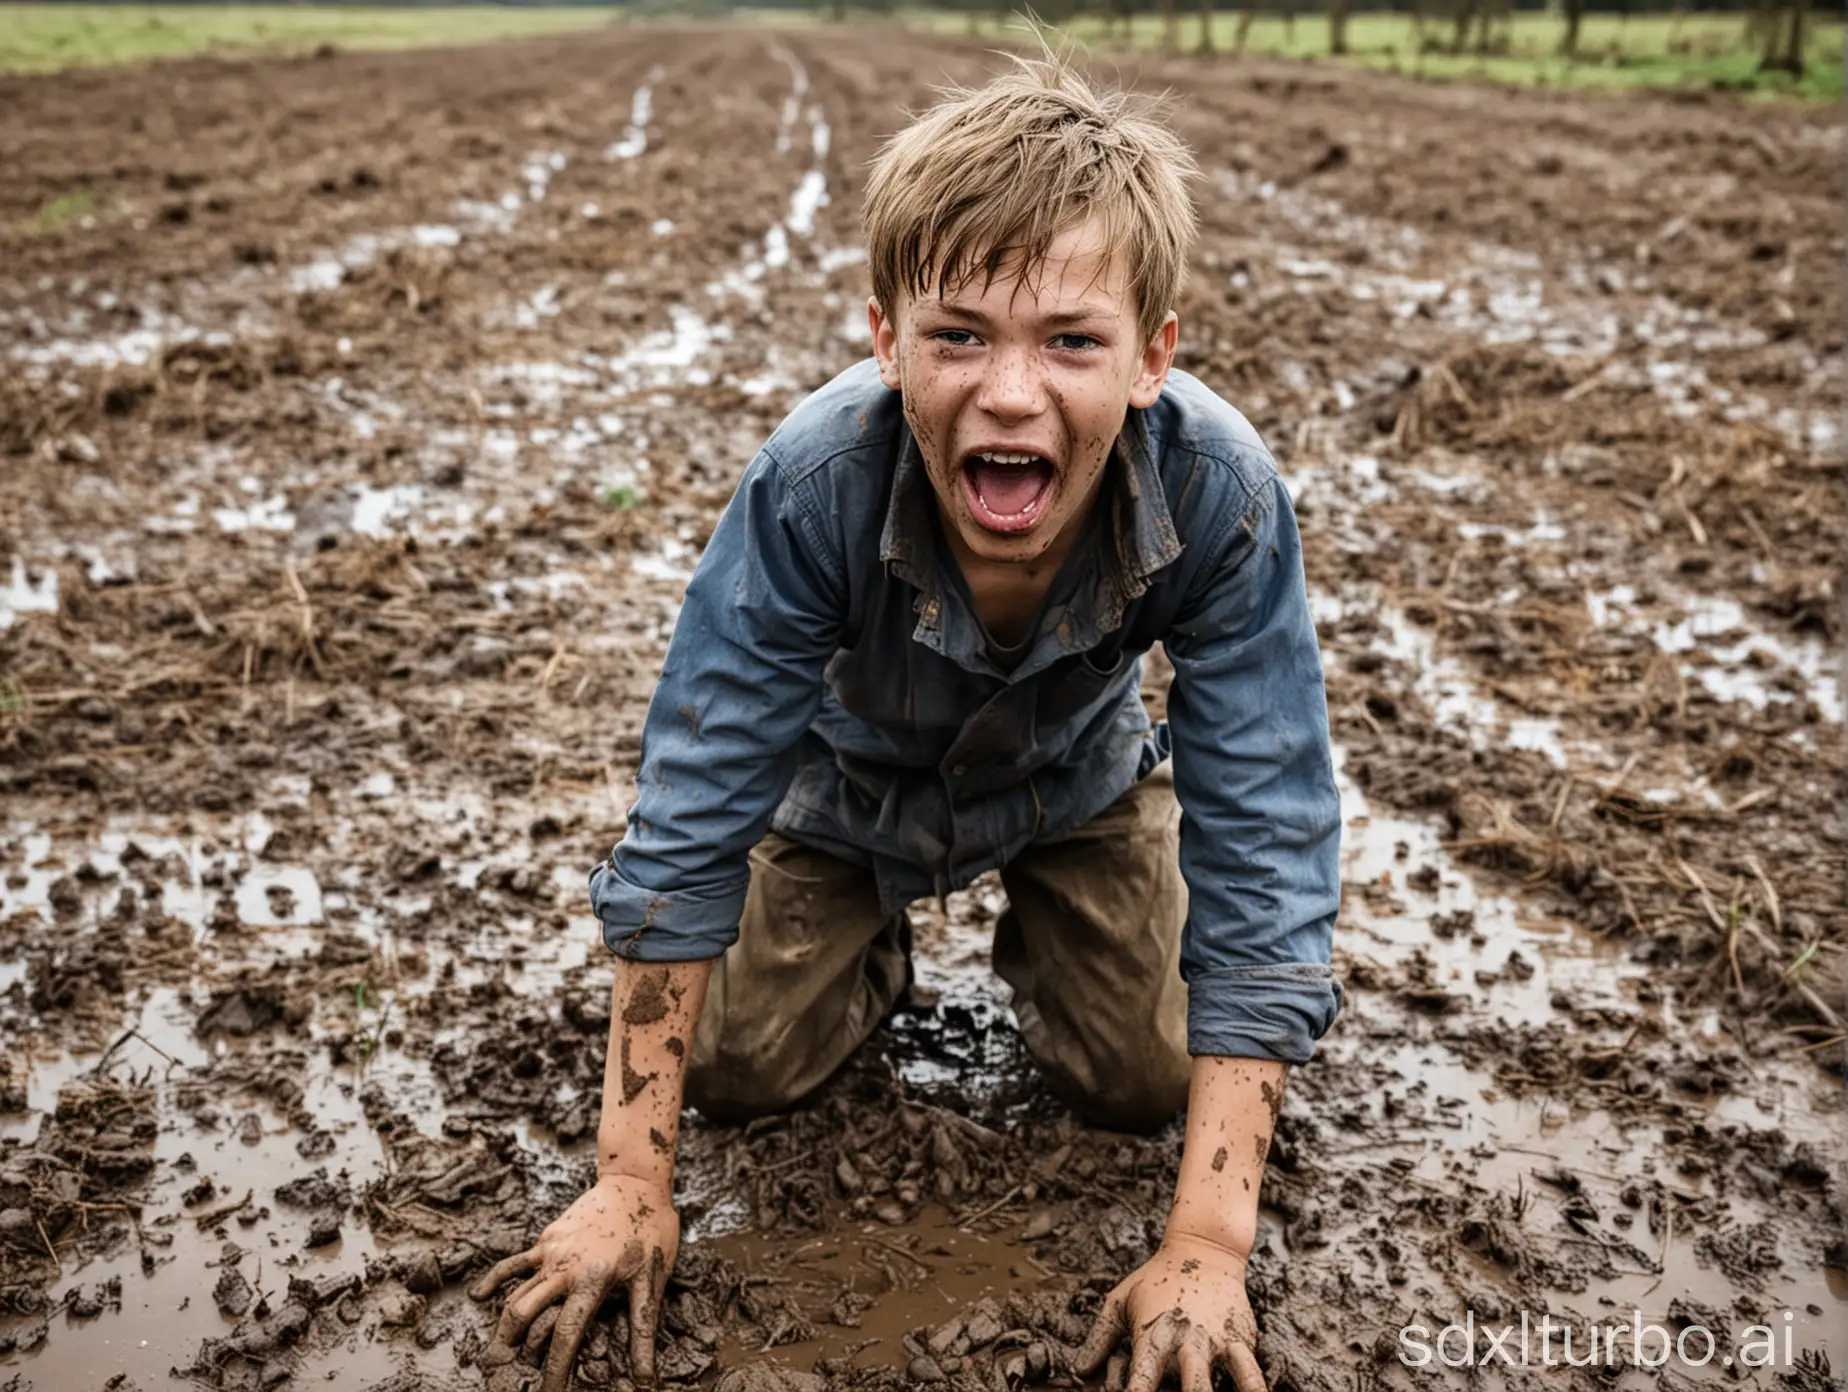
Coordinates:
(1008,492)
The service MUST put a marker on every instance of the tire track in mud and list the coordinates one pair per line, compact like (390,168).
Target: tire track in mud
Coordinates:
(478,706)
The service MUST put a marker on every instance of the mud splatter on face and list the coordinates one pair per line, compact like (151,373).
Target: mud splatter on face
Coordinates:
(676,1048)
(648,1000)
(658,1141)
(632,1082)
(1219,1159)
(1260,1147)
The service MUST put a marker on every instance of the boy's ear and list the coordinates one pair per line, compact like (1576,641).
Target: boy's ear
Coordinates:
(1157,358)
(885,343)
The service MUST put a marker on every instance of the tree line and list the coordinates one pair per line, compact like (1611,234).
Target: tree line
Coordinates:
(1777,30)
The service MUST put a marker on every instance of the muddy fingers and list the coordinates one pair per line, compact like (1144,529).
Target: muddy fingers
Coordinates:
(525,1305)
(1147,1361)
(644,1311)
(1103,1336)
(1196,1367)
(1236,1357)
(539,1334)
(573,1323)
(502,1272)
(1167,1341)
(1116,1372)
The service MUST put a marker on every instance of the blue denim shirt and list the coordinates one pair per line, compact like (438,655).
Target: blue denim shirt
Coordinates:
(829,677)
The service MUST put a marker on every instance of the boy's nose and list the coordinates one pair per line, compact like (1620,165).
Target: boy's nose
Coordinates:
(1012,387)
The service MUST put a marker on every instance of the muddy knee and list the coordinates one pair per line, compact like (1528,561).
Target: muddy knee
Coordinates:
(1131,1091)
(1140,1102)
(1112,1074)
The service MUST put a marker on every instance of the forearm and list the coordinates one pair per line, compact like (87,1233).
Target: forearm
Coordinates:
(1232,1107)
(654,1009)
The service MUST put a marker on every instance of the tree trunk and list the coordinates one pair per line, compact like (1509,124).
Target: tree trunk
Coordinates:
(1485,25)
(1465,15)
(1170,27)
(1289,24)
(1784,41)
(1568,43)
(1243,32)
(1337,26)
(1206,26)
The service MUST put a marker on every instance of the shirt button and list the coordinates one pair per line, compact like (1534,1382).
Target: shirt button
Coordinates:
(958,771)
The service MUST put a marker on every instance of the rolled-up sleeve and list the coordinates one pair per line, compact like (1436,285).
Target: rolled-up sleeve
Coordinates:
(1261,817)
(742,681)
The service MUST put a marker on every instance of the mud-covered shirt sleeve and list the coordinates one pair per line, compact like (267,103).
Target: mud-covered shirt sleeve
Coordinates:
(742,681)
(1261,818)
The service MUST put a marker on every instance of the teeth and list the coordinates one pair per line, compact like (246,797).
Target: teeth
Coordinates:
(999,458)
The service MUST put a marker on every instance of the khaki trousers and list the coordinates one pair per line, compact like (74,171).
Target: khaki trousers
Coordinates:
(1090,944)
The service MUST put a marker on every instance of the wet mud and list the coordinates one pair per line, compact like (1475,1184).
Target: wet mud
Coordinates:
(353,456)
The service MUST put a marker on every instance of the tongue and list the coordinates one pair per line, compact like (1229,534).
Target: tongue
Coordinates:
(1008,488)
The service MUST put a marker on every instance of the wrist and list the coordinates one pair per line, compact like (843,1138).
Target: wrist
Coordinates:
(633,1177)
(646,1159)
(1233,1231)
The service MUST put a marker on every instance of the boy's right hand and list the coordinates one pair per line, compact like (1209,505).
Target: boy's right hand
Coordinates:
(621,1231)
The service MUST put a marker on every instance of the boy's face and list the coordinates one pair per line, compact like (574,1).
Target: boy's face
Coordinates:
(1016,394)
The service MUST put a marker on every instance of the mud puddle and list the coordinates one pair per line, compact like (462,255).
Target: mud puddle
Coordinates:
(242,1204)
(876,1295)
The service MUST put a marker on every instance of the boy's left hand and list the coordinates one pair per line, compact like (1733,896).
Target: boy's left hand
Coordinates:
(1184,1310)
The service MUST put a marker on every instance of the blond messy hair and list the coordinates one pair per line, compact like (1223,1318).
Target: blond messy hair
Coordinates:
(988,178)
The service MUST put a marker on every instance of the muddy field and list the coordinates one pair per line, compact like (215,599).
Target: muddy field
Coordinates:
(353,457)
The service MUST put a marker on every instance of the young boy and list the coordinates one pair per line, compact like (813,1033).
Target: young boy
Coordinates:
(910,655)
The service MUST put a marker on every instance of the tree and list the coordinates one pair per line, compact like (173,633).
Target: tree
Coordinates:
(1464,11)
(1574,12)
(1206,27)
(1243,31)
(1783,51)
(1490,11)
(1337,26)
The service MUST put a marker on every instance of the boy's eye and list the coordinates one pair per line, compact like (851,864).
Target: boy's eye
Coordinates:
(956,338)
(1076,342)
